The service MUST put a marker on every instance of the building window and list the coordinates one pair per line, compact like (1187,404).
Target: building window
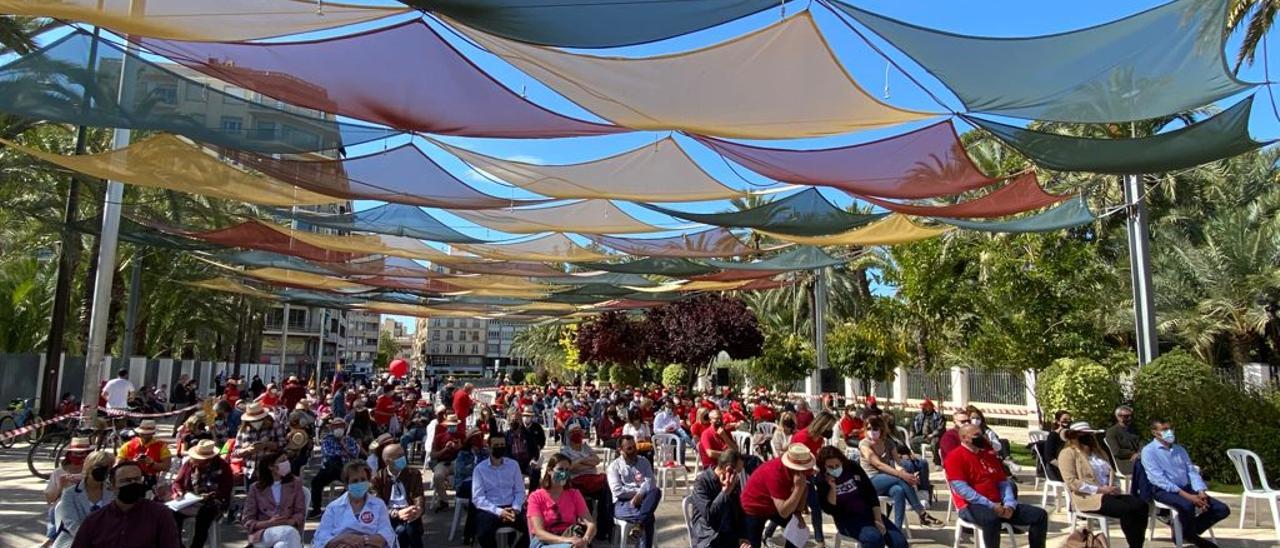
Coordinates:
(435,349)
(232,123)
(494,349)
(197,93)
(264,130)
(448,335)
(435,335)
(448,349)
(475,349)
(233,95)
(165,93)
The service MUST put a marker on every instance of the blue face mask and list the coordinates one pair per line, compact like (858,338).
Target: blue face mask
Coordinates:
(835,472)
(400,463)
(358,489)
(1167,436)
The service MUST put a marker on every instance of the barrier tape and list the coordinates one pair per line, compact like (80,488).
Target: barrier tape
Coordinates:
(133,415)
(28,428)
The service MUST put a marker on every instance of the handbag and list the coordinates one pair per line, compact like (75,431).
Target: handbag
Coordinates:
(1082,537)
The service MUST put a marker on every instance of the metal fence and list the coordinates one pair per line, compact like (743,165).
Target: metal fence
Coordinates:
(1000,387)
(921,385)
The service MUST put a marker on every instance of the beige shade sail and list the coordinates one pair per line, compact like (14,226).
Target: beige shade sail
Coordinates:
(230,286)
(417,311)
(782,81)
(552,248)
(540,307)
(170,162)
(204,20)
(584,217)
(395,246)
(307,280)
(499,282)
(512,293)
(657,172)
(894,229)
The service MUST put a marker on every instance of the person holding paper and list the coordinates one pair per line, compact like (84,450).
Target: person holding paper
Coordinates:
(776,492)
(208,476)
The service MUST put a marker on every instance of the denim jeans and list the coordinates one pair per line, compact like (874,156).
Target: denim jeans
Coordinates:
(901,492)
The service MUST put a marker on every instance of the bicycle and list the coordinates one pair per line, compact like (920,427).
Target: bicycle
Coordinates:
(19,413)
(45,454)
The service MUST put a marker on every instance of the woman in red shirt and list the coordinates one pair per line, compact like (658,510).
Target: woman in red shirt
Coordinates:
(814,438)
(776,491)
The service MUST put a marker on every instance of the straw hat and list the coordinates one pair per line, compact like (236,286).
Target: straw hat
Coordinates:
(79,445)
(337,421)
(450,420)
(527,412)
(295,441)
(204,450)
(474,432)
(147,427)
(1082,426)
(798,457)
(253,413)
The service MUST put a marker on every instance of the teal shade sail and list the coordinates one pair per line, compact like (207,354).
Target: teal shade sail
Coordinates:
(1221,136)
(1158,62)
(663,266)
(805,213)
(594,24)
(1071,213)
(394,219)
(605,278)
(267,259)
(804,257)
(75,80)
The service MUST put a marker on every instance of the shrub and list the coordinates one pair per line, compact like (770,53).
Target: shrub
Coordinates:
(673,375)
(625,375)
(1081,386)
(1208,415)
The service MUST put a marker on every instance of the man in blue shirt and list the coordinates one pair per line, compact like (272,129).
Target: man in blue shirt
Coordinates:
(1177,483)
(497,492)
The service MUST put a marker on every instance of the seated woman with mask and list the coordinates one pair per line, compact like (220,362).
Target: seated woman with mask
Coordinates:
(355,518)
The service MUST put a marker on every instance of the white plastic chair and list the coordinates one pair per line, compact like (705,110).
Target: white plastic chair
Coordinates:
(1057,488)
(743,439)
(886,503)
(1173,523)
(1248,463)
(665,448)
(1010,533)
(1037,436)
(459,508)
(624,528)
(1073,515)
(1122,479)
(686,505)
(766,428)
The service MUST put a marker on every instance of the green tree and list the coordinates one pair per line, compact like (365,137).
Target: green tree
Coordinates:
(869,349)
(387,350)
(783,360)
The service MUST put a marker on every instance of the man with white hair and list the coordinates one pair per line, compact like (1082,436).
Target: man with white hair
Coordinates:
(1123,440)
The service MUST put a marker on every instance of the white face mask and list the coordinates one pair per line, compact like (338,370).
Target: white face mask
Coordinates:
(283,469)
(975,422)
(338,432)
(873,434)
(526,420)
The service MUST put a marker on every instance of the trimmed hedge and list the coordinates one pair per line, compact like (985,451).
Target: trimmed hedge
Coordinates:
(673,375)
(1083,387)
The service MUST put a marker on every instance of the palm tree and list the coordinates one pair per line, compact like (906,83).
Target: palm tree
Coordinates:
(1261,15)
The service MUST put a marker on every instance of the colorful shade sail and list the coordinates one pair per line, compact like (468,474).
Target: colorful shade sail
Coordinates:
(402,175)
(166,161)
(393,219)
(228,285)
(798,258)
(925,163)
(416,285)
(261,236)
(432,88)
(607,278)
(381,244)
(321,299)
(267,259)
(894,229)
(598,24)
(779,82)
(657,172)
(674,267)
(713,242)
(293,278)
(804,213)
(584,217)
(1222,136)
(1162,61)
(1022,193)
(552,248)
(202,20)
(1074,212)
(55,83)
(385,266)
(509,268)
(737,275)
(499,282)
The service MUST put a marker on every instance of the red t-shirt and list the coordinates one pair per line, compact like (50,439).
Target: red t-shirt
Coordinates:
(267,399)
(803,418)
(461,404)
(770,481)
(693,417)
(562,416)
(849,424)
(982,471)
(814,443)
(710,440)
(384,409)
(293,393)
(764,413)
(695,429)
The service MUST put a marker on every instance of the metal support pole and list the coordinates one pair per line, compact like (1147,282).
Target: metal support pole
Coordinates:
(814,383)
(131,309)
(1144,312)
(284,338)
(319,368)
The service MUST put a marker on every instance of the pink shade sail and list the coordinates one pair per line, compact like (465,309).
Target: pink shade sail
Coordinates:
(925,163)
(1020,194)
(404,76)
(255,235)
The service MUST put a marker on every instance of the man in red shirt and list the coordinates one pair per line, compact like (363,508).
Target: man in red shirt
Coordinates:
(384,408)
(462,403)
(293,392)
(951,438)
(803,415)
(763,412)
(776,491)
(851,426)
(713,440)
(444,448)
(982,493)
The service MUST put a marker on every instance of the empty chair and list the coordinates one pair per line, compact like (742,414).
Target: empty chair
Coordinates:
(743,439)
(766,428)
(1056,487)
(1248,466)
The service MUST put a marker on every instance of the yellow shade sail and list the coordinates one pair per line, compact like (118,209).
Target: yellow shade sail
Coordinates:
(658,172)
(782,81)
(540,307)
(303,279)
(499,282)
(204,20)
(585,217)
(395,246)
(511,293)
(417,311)
(170,162)
(552,248)
(230,286)
(894,229)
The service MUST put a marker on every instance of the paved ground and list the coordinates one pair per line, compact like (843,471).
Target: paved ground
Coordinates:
(22,518)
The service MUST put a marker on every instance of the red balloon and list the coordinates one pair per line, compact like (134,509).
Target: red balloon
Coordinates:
(398,368)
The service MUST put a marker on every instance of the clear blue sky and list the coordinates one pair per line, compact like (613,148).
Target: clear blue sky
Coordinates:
(989,18)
